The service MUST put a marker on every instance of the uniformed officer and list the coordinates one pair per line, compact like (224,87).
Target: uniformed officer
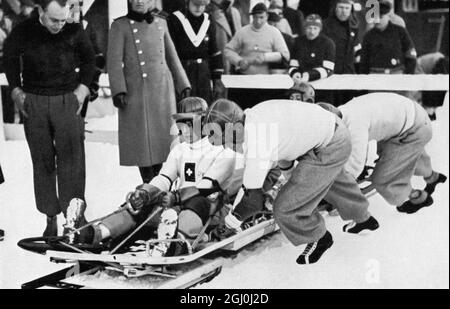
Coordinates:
(144,69)
(193,33)
(388,48)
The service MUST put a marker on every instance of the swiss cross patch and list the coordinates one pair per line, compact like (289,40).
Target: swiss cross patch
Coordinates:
(189,172)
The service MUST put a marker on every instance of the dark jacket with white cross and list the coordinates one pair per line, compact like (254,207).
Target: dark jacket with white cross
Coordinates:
(315,57)
(195,42)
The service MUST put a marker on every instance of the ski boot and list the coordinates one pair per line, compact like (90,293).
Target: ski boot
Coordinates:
(74,217)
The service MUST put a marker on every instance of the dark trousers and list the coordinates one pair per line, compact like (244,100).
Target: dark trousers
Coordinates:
(55,136)
(149,172)
(8,105)
(319,174)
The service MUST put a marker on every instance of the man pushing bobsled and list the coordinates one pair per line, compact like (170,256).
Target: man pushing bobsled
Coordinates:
(204,175)
(281,133)
(401,129)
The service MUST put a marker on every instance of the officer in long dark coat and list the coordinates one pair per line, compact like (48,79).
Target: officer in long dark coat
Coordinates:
(144,71)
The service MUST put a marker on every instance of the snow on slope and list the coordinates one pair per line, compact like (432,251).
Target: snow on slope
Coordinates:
(406,252)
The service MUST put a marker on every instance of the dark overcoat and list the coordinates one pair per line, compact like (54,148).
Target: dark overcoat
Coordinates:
(143,63)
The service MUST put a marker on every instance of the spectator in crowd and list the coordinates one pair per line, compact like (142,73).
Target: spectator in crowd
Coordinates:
(276,7)
(243,6)
(11,7)
(273,20)
(387,48)
(344,31)
(142,65)
(194,36)
(227,20)
(8,104)
(255,46)
(434,63)
(26,9)
(253,50)
(46,51)
(5,26)
(394,18)
(314,56)
(294,16)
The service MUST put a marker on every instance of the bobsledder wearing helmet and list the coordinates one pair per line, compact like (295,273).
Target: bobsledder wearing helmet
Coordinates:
(191,107)
(302,92)
(224,123)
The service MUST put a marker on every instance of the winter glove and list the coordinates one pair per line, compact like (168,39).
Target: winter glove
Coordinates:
(305,77)
(170,199)
(251,204)
(144,196)
(219,89)
(120,100)
(138,199)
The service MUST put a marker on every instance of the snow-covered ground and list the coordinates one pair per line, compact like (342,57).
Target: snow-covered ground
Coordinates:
(408,251)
